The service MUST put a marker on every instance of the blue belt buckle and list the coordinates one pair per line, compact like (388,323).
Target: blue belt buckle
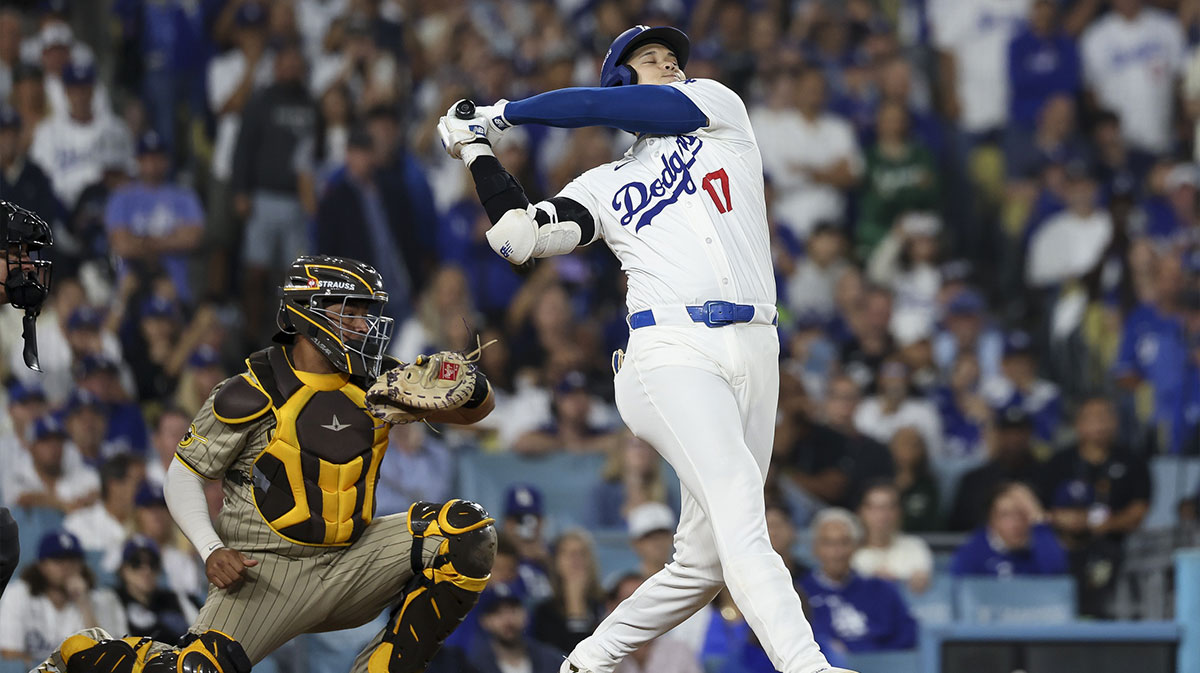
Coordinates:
(719,313)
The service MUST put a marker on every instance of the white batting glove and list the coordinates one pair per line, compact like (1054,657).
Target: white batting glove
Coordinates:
(457,133)
(491,117)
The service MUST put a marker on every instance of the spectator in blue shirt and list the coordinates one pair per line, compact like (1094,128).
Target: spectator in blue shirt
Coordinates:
(1016,540)
(154,224)
(1042,61)
(1019,385)
(1154,351)
(852,613)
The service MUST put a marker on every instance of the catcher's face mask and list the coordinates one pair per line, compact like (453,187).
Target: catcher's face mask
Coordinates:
(359,325)
(337,304)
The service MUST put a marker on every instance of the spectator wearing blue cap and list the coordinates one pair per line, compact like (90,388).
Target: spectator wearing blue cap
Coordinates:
(154,224)
(26,403)
(524,523)
(102,379)
(52,599)
(963,410)
(86,422)
(103,526)
(1020,385)
(965,326)
(56,51)
(202,372)
(146,608)
(168,341)
(50,474)
(75,146)
(1010,459)
(184,574)
(1016,540)
(571,428)
(22,181)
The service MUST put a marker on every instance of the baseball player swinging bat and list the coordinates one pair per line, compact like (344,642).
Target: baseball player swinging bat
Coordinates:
(684,213)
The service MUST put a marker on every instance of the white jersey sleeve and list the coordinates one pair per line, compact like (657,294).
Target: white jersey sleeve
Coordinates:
(727,116)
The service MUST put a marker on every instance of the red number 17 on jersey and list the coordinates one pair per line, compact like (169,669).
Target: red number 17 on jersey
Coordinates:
(721,199)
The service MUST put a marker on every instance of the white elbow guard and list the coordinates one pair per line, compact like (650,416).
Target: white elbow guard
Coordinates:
(555,237)
(514,236)
(517,236)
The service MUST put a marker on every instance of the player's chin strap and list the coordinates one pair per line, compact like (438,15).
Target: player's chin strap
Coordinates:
(441,594)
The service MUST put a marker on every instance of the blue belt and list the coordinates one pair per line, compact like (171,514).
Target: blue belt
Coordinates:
(712,313)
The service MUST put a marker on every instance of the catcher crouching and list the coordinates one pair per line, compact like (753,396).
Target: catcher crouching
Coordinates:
(298,438)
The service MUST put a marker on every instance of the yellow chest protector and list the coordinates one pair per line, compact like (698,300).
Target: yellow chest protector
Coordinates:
(314,483)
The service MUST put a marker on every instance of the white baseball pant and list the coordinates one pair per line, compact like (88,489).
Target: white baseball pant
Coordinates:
(706,399)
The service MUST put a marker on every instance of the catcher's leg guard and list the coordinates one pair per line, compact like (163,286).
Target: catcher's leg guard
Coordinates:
(439,596)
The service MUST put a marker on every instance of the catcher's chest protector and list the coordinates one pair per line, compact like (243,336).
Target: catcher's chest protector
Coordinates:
(324,447)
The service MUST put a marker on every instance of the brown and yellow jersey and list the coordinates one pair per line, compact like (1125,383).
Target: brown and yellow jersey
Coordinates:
(299,454)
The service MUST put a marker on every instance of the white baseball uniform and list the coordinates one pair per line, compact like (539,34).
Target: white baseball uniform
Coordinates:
(685,216)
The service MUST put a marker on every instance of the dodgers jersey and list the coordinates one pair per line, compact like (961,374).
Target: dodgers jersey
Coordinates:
(685,214)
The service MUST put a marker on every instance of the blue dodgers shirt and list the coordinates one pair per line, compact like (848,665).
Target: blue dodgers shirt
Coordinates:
(1154,347)
(156,211)
(865,614)
(982,555)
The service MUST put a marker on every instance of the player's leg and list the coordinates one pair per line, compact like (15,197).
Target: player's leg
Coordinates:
(694,418)
(430,580)
(689,582)
(274,604)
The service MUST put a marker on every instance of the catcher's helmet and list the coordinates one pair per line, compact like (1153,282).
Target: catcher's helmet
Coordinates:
(614,72)
(25,237)
(322,297)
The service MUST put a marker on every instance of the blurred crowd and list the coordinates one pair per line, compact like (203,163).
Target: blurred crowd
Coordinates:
(986,240)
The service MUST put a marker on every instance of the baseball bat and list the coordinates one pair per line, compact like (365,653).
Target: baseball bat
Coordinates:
(465,109)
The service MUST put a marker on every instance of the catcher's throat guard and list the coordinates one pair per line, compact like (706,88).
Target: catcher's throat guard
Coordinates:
(337,304)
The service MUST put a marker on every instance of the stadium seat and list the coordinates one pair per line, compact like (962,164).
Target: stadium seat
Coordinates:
(613,553)
(1017,600)
(33,523)
(936,604)
(1172,479)
(901,661)
(566,482)
(13,666)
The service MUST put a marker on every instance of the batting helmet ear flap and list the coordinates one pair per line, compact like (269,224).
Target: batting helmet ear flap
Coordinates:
(625,75)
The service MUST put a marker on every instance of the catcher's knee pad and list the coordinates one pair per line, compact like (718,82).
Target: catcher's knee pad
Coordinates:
(440,595)
(210,652)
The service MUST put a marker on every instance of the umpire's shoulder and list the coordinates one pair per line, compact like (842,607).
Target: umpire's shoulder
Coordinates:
(239,400)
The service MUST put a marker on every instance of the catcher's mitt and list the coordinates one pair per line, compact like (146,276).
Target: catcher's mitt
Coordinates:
(444,380)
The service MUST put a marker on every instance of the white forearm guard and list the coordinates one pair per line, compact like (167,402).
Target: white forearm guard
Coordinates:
(517,236)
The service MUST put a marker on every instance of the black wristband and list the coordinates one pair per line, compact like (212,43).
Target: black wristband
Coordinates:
(482,388)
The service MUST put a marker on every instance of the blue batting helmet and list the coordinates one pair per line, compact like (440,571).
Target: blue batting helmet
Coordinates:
(614,72)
